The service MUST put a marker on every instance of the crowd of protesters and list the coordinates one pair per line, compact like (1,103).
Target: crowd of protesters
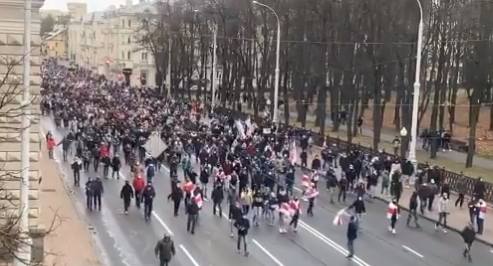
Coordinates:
(250,166)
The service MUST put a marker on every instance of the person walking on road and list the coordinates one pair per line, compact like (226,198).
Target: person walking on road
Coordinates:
(469,235)
(243,225)
(165,250)
(393,213)
(126,194)
(351,234)
(98,190)
(443,212)
(413,209)
(193,213)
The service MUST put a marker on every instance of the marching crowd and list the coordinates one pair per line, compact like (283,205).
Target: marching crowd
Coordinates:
(249,167)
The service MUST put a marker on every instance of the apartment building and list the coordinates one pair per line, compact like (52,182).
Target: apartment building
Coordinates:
(105,42)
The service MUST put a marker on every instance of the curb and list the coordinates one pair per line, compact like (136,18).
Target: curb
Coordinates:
(478,238)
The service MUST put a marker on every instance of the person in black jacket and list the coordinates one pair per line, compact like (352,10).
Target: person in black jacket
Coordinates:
(98,190)
(116,164)
(177,196)
(165,250)
(235,214)
(76,168)
(413,209)
(193,212)
(217,198)
(89,194)
(148,196)
(126,194)
(359,209)
(469,235)
(243,225)
(351,234)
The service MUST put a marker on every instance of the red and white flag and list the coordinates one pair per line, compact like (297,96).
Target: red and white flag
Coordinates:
(198,199)
(311,193)
(338,219)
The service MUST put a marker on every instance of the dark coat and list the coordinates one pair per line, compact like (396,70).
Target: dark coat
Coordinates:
(165,249)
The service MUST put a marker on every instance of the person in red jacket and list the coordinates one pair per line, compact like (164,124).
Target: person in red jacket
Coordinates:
(139,185)
(103,150)
(50,143)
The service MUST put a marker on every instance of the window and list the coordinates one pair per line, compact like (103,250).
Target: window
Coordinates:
(123,23)
(123,55)
(143,56)
(129,23)
(129,54)
(129,40)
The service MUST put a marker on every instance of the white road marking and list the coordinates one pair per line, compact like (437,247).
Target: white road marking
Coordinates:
(188,255)
(160,220)
(267,252)
(491,251)
(310,229)
(413,251)
(331,243)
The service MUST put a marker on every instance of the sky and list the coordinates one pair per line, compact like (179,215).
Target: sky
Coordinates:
(92,5)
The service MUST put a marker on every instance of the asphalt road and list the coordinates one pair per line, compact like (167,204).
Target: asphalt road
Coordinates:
(129,240)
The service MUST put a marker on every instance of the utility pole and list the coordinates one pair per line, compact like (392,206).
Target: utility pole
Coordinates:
(23,254)
(214,70)
(168,74)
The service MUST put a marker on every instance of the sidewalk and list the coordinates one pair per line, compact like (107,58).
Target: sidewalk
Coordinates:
(70,243)
(450,160)
(457,219)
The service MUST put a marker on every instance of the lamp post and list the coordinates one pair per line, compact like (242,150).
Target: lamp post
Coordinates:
(278,52)
(403,147)
(416,86)
(214,70)
(23,253)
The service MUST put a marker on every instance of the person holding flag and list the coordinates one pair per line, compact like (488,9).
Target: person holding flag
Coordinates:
(295,207)
(311,193)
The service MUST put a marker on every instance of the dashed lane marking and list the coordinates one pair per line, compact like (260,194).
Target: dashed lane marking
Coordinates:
(412,251)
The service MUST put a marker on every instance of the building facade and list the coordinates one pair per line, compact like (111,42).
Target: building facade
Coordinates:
(55,44)
(11,69)
(76,9)
(105,42)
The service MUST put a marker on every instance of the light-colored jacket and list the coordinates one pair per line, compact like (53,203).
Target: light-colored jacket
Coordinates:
(443,205)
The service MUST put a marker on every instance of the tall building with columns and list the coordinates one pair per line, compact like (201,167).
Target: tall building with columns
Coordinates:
(11,69)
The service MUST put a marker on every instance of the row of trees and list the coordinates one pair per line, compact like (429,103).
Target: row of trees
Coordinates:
(354,53)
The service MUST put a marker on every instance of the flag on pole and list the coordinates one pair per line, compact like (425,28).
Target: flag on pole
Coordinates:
(241,129)
(338,219)
(293,152)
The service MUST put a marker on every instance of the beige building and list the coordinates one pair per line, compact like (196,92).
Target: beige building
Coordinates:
(55,44)
(11,54)
(77,9)
(105,42)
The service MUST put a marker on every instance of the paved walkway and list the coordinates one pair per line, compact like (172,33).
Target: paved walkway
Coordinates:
(451,160)
(70,243)
(457,219)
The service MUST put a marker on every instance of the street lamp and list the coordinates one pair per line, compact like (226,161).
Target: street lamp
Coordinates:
(278,52)
(403,146)
(416,86)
